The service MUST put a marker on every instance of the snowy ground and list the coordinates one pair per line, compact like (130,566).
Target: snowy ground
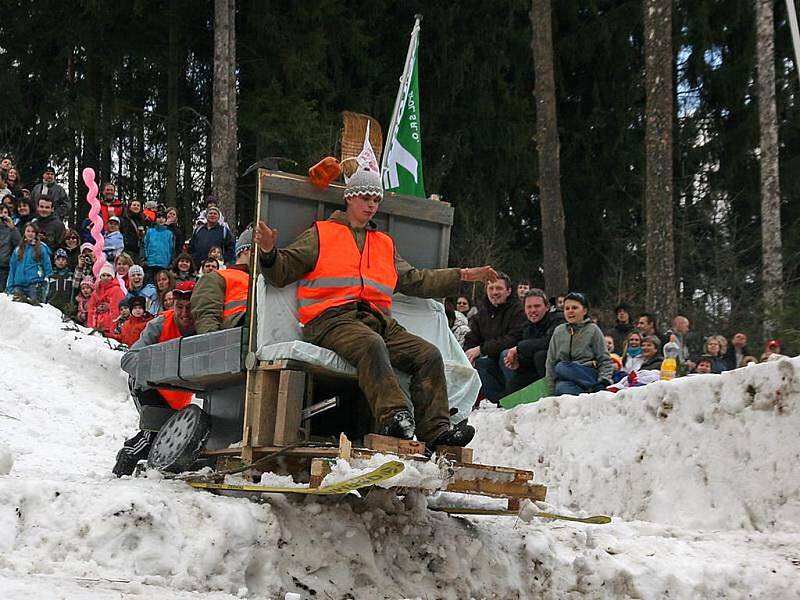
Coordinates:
(701,475)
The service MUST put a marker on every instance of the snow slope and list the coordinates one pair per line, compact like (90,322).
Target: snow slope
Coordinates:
(701,474)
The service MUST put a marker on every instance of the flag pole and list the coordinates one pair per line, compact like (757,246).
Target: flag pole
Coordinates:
(405,81)
(795,34)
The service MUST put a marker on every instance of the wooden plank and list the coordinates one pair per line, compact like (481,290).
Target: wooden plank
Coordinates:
(289,407)
(498,489)
(385,443)
(473,470)
(263,407)
(345,447)
(320,467)
(455,453)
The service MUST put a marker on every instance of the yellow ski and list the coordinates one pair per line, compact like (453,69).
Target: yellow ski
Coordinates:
(382,473)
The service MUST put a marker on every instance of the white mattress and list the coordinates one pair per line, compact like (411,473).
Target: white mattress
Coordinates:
(280,337)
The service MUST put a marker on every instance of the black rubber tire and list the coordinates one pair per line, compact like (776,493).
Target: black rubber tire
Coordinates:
(180,441)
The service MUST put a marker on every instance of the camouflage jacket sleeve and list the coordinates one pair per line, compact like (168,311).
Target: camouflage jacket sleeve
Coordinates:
(283,266)
(425,283)
(208,298)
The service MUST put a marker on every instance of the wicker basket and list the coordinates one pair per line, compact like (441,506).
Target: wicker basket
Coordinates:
(353,131)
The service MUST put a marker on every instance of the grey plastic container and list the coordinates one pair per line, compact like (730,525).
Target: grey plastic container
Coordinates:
(211,354)
(159,363)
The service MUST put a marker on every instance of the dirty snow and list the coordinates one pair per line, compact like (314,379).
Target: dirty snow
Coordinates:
(700,474)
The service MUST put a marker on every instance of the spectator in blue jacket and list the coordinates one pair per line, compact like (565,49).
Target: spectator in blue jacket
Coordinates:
(213,233)
(29,268)
(159,244)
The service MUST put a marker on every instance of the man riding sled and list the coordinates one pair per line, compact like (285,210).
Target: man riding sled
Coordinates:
(347,271)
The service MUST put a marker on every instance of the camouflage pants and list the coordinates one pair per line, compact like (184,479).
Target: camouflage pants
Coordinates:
(373,345)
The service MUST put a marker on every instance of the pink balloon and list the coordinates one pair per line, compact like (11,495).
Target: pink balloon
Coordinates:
(97,221)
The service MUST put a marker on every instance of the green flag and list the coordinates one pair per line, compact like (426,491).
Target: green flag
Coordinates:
(402,159)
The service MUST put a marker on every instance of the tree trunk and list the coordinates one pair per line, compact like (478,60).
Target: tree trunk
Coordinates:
(660,270)
(223,150)
(554,249)
(772,284)
(172,107)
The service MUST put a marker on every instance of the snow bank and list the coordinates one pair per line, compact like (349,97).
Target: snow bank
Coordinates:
(68,529)
(706,451)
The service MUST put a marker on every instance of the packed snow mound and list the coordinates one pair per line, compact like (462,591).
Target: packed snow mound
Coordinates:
(705,451)
(6,459)
(68,529)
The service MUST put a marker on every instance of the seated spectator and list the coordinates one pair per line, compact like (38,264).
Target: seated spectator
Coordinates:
(632,355)
(737,350)
(703,365)
(456,321)
(29,268)
(577,360)
(86,289)
(103,308)
(772,347)
(464,306)
(183,268)
(171,325)
(623,326)
(497,327)
(61,291)
(165,281)
(9,241)
(523,287)
(646,324)
(651,353)
(609,342)
(529,357)
(137,285)
(114,243)
(135,324)
(159,244)
(713,350)
(72,242)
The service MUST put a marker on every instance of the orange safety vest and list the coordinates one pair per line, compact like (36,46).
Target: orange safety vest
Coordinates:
(237,284)
(175,399)
(343,274)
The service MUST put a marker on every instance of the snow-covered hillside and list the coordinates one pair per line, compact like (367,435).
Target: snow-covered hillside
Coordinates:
(701,475)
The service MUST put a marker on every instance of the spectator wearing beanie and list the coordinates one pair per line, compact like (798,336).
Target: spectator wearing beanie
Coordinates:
(114,243)
(213,233)
(86,289)
(137,287)
(135,324)
(61,290)
(103,308)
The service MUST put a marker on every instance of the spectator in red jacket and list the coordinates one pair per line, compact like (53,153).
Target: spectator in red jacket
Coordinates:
(103,308)
(136,323)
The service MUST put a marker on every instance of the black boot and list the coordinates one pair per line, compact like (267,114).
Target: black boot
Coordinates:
(458,436)
(400,425)
(134,450)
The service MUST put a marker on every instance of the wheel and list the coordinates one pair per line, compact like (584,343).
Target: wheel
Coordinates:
(180,440)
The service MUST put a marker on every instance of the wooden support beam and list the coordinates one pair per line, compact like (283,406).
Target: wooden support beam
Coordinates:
(385,443)
(455,453)
(320,467)
(289,407)
(262,407)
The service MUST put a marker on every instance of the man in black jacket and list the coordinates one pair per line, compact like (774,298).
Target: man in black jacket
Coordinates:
(527,359)
(497,327)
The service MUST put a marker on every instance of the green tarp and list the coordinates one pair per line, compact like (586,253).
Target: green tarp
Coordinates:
(533,393)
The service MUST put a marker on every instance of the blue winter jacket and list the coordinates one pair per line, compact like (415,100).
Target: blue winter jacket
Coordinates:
(147,291)
(159,242)
(28,271)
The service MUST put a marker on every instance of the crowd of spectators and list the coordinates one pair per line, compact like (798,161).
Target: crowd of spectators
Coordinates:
(145,254)
(520,336)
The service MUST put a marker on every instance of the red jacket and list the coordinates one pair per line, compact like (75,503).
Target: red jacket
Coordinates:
(132,329)
(115,209)
(103,306)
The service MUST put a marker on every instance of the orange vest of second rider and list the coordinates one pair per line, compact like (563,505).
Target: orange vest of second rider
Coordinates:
(237,283)
(343,274)
(175,399)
